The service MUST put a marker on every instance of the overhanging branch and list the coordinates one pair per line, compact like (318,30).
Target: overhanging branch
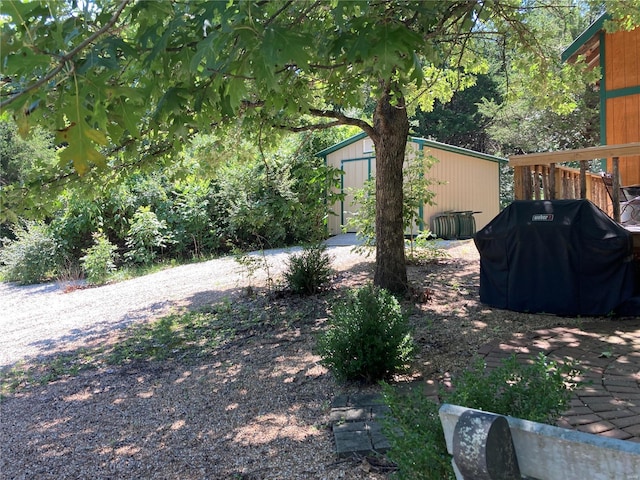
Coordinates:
(66,58)
(342,119)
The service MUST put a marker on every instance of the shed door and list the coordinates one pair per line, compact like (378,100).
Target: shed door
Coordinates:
(356,172)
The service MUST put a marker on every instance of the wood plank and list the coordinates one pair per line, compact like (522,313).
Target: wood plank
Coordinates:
(583,179)
(631,61)
(614,45)
(590,153)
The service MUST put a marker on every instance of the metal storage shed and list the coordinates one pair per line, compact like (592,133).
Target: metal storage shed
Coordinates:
(470,181)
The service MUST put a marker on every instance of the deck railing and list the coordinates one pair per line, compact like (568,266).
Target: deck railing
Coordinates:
(538,176)
(551,182)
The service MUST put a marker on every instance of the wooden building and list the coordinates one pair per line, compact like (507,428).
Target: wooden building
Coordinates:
(617,55)
(467,180)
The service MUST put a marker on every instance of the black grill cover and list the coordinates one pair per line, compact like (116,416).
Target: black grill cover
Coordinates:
(565,257)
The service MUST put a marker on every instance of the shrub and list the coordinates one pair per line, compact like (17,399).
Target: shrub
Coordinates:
(538,391)
(32,257)
(309,271)
(99,259)
(368,337)
(74,221)
(145,235)
(416,436)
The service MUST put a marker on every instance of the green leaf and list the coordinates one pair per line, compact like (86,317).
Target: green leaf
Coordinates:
(282,46)
(80,149)
(80,139)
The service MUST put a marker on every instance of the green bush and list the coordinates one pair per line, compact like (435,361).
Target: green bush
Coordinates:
(74,221)
(415,433)
(309,271)
(33,256)
(368,337)
(145,235)
(99,260)
(538,391)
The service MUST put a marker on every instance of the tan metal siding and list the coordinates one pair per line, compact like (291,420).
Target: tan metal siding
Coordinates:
(354,178)
(469,183)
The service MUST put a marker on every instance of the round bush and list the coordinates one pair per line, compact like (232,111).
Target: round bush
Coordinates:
(32,257)
(309,271)
(368,337)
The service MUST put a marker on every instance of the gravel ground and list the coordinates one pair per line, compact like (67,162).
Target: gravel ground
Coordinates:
(39,319)
(258,408)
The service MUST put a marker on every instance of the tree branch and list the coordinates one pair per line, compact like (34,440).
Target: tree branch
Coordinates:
(344,120)
(310,128)
(66,58)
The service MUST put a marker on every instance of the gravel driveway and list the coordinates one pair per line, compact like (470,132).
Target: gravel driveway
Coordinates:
(41,319)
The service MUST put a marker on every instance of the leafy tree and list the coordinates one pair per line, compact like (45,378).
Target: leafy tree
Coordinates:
(22,162)
(460,122)
(519,122)
(143,76)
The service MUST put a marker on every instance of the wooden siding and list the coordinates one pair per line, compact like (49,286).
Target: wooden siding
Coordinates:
(622,71)
(468,183)
(623,126)
(622,59)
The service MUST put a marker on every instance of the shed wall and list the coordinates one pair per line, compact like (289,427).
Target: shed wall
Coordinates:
(622,59)
(465,183)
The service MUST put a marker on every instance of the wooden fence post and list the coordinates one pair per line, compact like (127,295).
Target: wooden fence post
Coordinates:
(527,185)
(616,188)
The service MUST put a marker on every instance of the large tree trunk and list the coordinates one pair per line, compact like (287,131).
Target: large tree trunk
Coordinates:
(391,127)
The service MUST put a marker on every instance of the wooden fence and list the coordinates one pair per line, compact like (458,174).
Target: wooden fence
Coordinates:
(538,176)
(551,182)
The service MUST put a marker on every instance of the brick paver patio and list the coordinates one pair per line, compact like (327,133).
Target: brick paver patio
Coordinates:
(608,404)
(609,356)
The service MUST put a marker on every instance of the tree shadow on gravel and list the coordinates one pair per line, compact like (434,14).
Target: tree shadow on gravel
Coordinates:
(255,405)
(98,333)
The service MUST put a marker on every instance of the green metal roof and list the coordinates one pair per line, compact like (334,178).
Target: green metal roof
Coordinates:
(419,141)
(338,146)
(585,36)
(462,151)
